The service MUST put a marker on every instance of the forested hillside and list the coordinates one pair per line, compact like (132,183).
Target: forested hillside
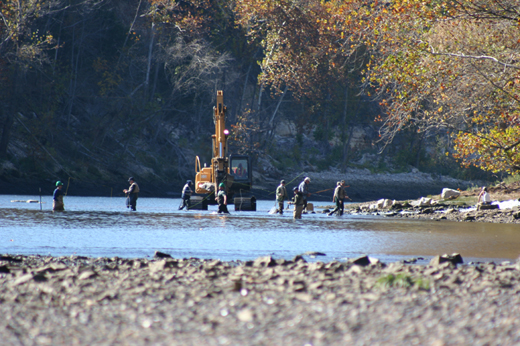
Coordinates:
(94,91)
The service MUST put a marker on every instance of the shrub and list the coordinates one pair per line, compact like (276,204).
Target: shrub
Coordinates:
(402,281)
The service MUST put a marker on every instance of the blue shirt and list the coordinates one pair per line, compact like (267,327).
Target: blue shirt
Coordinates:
(57,194)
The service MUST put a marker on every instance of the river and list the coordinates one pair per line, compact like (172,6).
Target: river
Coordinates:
(104,227)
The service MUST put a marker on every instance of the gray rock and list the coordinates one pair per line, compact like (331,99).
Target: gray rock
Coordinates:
(159,254)
(10,259)
(361,261)
(4,269)
(266,261)
(299,258)
(87,274)
(449,193)
(314,253)
(157,266)
(23,279)
(487,206)
(453,258)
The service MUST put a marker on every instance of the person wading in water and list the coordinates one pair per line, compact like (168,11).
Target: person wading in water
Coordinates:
(281,195)
(132,194)
(222,199)
(304,190)
(186,195)
(298,203)
(57,198)
(339,199)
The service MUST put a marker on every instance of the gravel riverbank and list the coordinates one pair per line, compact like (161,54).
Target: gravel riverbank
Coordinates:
(165,301)
(442,212)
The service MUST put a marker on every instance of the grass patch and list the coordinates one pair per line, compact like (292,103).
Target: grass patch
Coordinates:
(402,281)
(462,201)
(511,179)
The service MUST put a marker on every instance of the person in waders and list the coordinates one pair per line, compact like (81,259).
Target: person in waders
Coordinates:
(222,199)
(281,195)
(132,193)
(298,203)
(304,191)
(57,198)
(339,199)
(186,195)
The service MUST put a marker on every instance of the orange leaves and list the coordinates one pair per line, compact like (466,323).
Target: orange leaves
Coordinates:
(422,59)
(494,150)
(429,81)
(302,43)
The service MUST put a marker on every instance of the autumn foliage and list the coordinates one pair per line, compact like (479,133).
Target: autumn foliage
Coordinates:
(435,66)
(453,66)
(448,67)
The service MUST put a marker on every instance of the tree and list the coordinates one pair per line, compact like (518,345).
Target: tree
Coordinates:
(23,49)
(296,36)
(452,65)
(314,50)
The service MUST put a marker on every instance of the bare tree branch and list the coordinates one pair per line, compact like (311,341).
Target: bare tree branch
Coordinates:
(481,57)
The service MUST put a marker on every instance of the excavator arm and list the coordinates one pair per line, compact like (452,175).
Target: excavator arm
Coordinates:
(236,179)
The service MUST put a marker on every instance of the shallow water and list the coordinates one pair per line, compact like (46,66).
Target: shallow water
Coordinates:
(103,226)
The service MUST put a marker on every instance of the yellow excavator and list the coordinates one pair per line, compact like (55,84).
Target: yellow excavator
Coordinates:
(234,171)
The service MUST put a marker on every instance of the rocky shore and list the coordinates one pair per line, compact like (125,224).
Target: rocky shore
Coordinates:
(165,301)
(441,212)
(505,208)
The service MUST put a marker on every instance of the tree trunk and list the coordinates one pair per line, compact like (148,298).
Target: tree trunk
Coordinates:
(6,131)
(150,50)
(277,107)
(418,157)
(239,108)
(260,97)
(154,82)
(75,66)
(270,134)
(346,141)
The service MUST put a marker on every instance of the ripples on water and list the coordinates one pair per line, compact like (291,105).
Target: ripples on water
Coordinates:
(100,226)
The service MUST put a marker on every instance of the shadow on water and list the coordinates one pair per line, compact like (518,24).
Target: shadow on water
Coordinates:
(95,227)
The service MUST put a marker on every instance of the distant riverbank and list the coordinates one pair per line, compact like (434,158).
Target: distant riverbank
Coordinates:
(362,185)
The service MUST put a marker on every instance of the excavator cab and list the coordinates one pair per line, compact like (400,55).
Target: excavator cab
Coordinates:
(240,169)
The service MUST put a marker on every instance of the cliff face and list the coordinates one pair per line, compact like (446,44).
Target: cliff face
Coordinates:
(293,153)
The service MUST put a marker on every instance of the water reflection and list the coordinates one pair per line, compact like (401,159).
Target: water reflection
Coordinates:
(97,226)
